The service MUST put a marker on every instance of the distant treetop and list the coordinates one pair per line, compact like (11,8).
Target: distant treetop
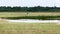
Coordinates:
(29,9)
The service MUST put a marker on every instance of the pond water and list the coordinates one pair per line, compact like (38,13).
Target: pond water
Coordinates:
(31,21)
(34,21)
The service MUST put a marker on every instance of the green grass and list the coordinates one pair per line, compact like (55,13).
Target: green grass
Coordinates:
(35,17)
(29,28)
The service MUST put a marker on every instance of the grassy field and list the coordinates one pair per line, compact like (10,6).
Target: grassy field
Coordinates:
(16,14)
(31,15)
(29,28)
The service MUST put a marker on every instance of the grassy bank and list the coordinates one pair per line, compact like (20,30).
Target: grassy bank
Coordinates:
(35,17)
(31,15)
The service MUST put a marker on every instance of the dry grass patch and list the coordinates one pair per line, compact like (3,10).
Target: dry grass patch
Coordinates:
(16,14)
(29,28)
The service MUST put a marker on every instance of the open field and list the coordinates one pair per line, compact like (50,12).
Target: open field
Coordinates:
(28,28)
(16,14)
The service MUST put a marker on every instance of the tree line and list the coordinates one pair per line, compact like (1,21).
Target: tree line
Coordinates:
(29,9)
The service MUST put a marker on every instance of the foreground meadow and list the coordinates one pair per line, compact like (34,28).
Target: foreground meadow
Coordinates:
(28,28)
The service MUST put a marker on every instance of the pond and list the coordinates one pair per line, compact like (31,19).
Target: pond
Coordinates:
(31,21)
(34,21)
